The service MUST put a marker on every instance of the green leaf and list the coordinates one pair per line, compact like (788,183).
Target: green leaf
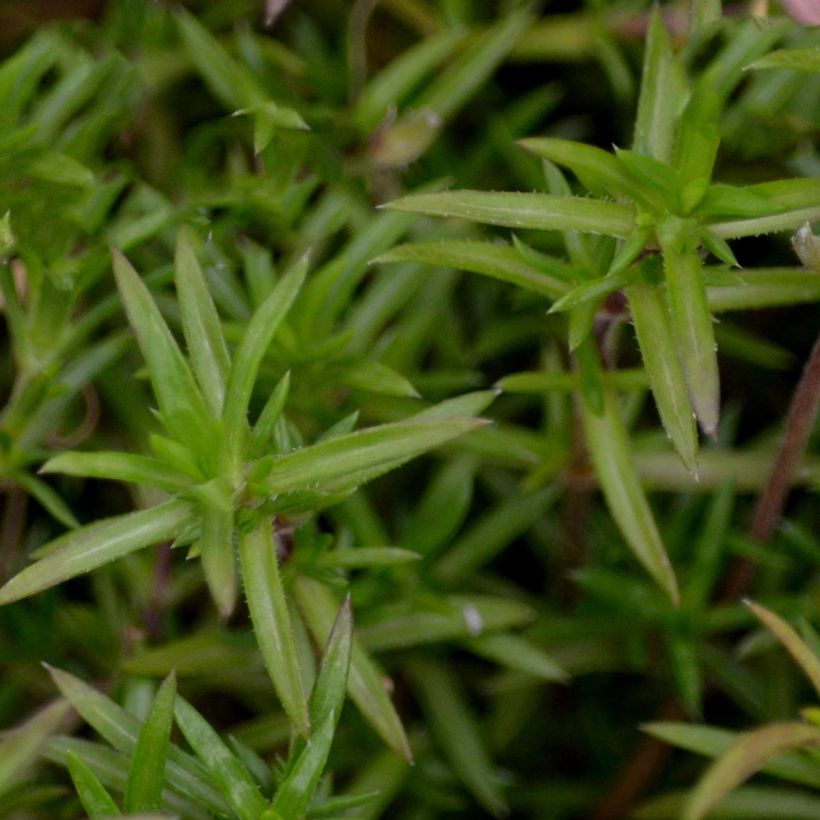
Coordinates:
(797,648)
(60,169)
(704,13)
(230,82)
(599,171)
(146,779)
(747,803)
(327,696)
(745,757)
(21,746)
(458,83)
(365,682)
(457,733)
(48,499)
(255,342)
(96,801)
(217,553)
(121,729)
(765,287)
(797,59)
(375,377)
(663,93)
(271,620)
(592,291)
(660,357)
(134,469)
(779,222)
(611,454)
(89,547)
(183,410)
(271,413)
(226,770)
(317,466)
(442,508)
(326,701)
(409,138)
(499,262)
(712,742)
(693,331)
(519,654)
(454,617)
(494,530)
(362,557)
(201,325)
(546,212)
(295,792)
(389,87)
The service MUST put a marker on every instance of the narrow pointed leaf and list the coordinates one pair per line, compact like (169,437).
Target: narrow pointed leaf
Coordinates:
(610,451)
(389,87)
(712,742)
(745,757)
(256,340)
(365,684)
(499,262)
(216,543)
(458,733)
(660,357)
(271,413)
(271,620)
(598,170)
(89,547)
(318,465)
(178,396)
(226,770)
(361,557)
(663,93)
(524,210)
(230,82)
(96,801)
(121,729)
(328,693)
(202,328)
(48,498)
(325,705)
(518,653)
(797,59)
(797,648)
(595,290)
(719,248)
(134,469)
(146,778)
(693,332)
(292,797)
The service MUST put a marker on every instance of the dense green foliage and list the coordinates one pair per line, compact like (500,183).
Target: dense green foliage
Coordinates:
(371,447)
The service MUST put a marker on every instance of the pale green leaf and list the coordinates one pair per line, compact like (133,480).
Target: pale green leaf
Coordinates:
(545,212)
(201,325)
(96,801)
(490,259)
(365,684)
(89,547)
(226,770)
(271,620)
(611,455)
